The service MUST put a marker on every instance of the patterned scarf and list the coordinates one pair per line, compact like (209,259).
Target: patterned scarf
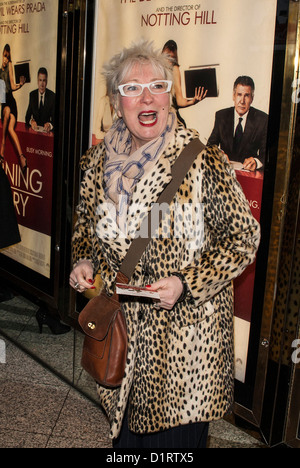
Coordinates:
(122,170)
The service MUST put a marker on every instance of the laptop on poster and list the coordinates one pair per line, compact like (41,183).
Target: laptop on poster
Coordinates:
(22,69)
(205,77)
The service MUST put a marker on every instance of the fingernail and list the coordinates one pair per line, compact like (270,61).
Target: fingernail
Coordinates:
(148,285)
(93,287)
(91,281)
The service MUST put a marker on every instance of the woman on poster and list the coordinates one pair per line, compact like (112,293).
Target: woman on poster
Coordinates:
(179,101)
(179,368)
(9,112)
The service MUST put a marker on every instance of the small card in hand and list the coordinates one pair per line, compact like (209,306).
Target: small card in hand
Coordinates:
(129,290)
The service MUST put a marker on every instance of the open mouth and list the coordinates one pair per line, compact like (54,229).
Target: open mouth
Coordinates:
(148,118)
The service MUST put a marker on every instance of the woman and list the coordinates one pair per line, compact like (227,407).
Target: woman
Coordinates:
(9,113)
(179,101)
(179,369)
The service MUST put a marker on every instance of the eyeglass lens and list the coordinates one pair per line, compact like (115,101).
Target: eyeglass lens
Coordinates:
(135,89)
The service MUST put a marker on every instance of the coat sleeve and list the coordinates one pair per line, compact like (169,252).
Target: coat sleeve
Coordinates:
(231,233)
(84,242)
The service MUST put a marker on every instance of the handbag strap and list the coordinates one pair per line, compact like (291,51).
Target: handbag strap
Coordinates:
(179,171)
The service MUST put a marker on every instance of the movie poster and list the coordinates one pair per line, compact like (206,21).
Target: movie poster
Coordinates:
(217,41)
(28,36)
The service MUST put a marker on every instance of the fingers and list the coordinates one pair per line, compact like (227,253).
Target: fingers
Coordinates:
(203,94)
(81,278)
(200,94)
(249,164)
(169,290)
(81,286)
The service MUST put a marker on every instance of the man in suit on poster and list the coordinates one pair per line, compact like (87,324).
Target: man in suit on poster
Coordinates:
(41,108)
(241,131)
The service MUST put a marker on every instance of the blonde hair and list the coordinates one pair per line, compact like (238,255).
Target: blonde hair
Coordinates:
(142,53)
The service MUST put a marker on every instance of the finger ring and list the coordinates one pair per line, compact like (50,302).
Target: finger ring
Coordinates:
(77,285)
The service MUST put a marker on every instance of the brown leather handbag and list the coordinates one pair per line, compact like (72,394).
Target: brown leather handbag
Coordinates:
(102,320)
(105,343)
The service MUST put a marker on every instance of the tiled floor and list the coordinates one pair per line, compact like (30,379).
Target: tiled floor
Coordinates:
(38,409)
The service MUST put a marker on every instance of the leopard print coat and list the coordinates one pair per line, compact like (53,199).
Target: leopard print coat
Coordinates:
(180,363)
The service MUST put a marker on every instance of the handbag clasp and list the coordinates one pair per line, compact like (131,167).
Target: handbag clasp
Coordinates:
(91,325)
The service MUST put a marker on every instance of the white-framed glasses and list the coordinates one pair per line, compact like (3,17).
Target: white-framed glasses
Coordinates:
(136,89)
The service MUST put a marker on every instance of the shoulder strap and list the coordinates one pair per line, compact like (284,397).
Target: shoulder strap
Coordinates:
(179,171)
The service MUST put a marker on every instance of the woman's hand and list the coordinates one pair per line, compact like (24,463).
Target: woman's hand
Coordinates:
(81,278)
(22,81)
(200,94)
(169,289)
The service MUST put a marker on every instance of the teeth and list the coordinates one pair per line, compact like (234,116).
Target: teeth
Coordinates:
(148,114)
(149,122)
